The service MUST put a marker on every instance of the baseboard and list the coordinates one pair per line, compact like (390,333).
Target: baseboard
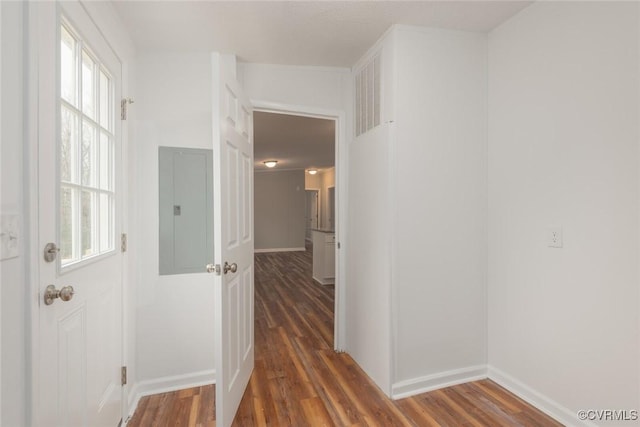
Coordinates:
(537,399)
(167,384)
(427,383)
(325,282)
(259,251)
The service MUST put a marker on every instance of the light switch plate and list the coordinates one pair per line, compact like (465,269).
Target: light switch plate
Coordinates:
(9,236)
(554,237)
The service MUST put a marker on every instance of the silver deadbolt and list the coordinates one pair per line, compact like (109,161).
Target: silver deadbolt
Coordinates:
(230,267)
(51,293)
(51,252)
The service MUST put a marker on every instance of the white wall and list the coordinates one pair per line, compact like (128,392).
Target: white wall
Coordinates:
(292,85)
(368,292)
(368,287)
(174,324)
(312,182)
(563,150)
(279,210)
(417,217)
(439,207)
(13,282)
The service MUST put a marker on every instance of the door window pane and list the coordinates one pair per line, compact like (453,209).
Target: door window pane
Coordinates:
(88,86)
(86,152)
(68,145)
(68,67)
(89,163)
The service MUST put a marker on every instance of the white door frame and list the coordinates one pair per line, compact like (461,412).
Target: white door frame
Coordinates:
(339,116)
(32,259)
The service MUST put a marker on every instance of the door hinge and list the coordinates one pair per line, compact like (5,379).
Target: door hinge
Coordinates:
(123,242)
(338,245)
(123,375)
(124,105)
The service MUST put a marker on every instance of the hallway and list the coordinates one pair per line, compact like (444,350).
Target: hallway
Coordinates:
(300,381)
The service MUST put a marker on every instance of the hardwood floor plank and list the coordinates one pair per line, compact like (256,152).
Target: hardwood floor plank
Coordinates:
(195,408)
(447,395)
(338,405)
(315,410)
(417,414)
(299,380)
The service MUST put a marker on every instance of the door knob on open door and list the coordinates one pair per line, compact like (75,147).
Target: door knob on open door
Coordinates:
(213,268)
(51,293)
(230,267)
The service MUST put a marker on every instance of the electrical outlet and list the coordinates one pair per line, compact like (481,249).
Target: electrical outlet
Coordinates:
(9,236)
(554,237)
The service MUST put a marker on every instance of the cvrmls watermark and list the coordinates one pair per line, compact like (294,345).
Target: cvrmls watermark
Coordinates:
(608,414)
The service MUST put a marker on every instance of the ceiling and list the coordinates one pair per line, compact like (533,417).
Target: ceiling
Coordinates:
(295,142)
(323,33)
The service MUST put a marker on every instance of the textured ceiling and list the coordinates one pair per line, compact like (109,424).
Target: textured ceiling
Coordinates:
(296,142)
(324,33)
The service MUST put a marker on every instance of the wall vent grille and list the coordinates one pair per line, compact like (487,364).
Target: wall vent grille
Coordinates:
(368,96)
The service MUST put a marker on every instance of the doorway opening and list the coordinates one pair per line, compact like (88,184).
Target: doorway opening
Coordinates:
(298,198)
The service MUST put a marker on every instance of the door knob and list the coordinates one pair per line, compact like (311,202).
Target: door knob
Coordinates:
(51,293)
(230,267)
(213,268)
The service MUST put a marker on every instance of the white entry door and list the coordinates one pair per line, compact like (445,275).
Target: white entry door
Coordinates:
(78,375)
(233,237)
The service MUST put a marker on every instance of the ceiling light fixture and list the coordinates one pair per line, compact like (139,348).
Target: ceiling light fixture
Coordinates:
(270,163)
(312,171)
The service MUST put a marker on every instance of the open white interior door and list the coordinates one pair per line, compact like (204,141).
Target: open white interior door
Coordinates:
(233,237)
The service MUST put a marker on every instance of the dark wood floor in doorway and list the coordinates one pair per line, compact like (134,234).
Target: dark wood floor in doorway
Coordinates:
(300,381)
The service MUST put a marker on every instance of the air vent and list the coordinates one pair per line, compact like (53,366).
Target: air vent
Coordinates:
(368,96)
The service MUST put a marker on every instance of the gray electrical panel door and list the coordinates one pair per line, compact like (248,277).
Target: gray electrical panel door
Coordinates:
(186,210)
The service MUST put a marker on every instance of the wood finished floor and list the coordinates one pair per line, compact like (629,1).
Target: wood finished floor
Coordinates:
(300,381)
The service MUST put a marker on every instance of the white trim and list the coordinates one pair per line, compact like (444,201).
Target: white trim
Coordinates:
(414,386)
(255,170)
(536,399)
(326,281)
(341,165)
(259,251)
(331,69)
(296,110)
(168,384)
